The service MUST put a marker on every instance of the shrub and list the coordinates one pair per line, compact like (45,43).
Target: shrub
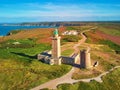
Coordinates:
(111,45)
(71,38)
(13,32)
(71,28)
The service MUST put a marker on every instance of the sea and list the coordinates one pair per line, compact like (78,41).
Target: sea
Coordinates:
(4,30)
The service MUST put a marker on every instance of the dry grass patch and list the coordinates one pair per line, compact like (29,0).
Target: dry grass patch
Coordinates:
(106,57)
(85,73)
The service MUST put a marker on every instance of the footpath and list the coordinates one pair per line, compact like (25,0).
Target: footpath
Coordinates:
(67,78)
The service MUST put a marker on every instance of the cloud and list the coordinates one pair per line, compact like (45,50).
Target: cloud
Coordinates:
(59,11)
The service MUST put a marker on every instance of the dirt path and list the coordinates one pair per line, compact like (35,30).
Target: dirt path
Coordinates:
(66,79)
(76,46)
(52,84)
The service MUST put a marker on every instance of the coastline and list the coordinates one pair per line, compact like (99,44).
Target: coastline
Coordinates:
(6,29)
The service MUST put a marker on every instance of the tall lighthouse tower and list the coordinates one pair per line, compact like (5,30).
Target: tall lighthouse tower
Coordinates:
(56,51)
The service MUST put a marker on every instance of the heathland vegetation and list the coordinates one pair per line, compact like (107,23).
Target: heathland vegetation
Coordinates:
(67,52)
(75,38)
(95,36)
(71,38)
(13,32)
(105,50)
(110,82)
(20,70)
(110,28)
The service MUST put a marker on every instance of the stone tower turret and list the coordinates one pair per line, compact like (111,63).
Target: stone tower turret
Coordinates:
(85,61)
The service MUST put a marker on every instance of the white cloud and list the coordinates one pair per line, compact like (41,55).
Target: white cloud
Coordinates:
(59,10)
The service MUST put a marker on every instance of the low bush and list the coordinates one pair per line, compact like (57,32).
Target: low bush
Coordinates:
(71,38)
(71,28)
(111,45)
(111,81)
(13,32)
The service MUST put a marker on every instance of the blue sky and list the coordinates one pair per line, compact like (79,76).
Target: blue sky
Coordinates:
(59,10)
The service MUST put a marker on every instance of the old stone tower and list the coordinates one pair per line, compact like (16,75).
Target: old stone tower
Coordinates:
(56,51)
(85,61)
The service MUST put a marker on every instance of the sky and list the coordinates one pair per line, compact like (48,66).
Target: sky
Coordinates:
(59,10)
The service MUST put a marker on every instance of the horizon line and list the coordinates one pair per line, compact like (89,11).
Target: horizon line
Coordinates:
(64,21)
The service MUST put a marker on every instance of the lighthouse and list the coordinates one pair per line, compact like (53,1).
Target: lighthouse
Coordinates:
(56,51)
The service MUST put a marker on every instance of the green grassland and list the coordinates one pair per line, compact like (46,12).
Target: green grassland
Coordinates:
(71,38)
(108,47)
(79,28)
(111,44)
(110,82)
(104,55)
(110,28)
(67,52)
(71,28)
(19,68)
(14,32)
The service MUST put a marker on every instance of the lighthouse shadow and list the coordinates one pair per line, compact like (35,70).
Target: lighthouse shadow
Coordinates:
(24,55)
(76,65)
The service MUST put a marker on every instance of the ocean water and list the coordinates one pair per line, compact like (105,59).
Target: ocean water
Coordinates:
(5,29)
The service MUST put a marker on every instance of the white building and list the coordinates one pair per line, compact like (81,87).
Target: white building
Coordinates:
(72,32)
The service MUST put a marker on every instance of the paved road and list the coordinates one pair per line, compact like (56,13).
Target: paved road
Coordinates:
(52,84)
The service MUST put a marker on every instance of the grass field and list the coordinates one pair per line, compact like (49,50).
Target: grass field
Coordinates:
(67,52)
(102,50)
(110,82)
(79,28)
(93,37)
(41,35)
(110,28)
(19,68)
(104,55)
